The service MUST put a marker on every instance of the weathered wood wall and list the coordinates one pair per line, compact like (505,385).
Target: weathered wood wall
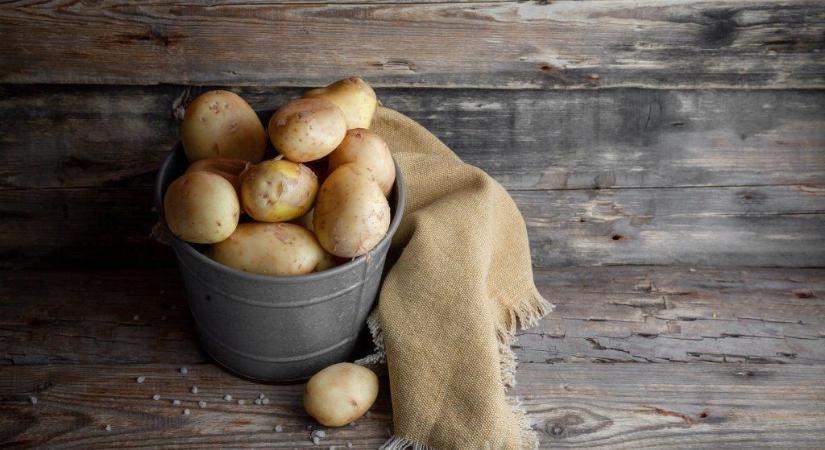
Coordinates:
(545,97)
(618,176)
(502,44)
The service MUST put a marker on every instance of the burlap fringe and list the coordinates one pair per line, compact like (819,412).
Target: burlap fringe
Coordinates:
(399,443)
(525,316)
(527,435)
(379,356)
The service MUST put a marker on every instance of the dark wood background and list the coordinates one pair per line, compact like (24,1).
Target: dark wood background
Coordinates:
(668,157)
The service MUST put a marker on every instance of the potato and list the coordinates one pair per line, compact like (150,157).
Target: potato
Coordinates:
(307,129)
(201,207)
(327,262)
(270,249)
(351,215)
(354,96)
(231,169)
(331,260)
(367,149)
(306,220)
(220,124)
(340,394)
(278,190)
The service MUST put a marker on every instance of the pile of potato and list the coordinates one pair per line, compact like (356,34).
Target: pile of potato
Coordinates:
(271,217)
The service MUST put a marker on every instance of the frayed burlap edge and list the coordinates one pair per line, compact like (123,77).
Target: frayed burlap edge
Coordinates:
(525,316)
(399,443)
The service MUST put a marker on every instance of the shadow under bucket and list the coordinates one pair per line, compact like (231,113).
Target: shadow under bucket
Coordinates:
(277,328)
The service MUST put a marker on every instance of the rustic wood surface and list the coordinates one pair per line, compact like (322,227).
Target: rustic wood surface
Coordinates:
(508,44)
(773,226)
(624,406)
(675,177)
(668,157)
(117,136)
(603,314)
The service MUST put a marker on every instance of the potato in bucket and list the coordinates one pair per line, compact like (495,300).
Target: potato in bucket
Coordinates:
(201,207)
(307,129)
(271,249)
(367,149)
(355,98)
(351,214)
(220,124)
(278,190)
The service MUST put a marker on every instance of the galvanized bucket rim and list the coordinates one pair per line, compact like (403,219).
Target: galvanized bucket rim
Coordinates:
(184,246)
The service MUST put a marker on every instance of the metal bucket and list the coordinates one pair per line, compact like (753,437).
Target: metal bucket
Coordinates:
(277,328)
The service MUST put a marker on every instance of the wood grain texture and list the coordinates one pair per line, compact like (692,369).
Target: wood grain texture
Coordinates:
(735,43)
(760,226)
(681,177)
(91,136)
(658,314)
(75,403)
(625,406)
(717,161)
(95,317)
(763,226)
(88,227)
(604,314)
(665,406)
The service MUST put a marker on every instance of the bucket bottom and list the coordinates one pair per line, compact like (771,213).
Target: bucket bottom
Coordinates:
(280,370)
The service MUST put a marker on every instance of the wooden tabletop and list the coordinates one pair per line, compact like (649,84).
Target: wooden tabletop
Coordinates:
(668,158)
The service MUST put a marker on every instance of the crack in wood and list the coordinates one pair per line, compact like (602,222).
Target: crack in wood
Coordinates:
(663,412)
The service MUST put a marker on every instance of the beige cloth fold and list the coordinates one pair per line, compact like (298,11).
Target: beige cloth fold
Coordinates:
(449,306)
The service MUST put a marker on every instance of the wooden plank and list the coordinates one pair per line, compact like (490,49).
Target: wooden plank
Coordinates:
(91,136)
(88,227)
(603,314)
(735,43)
(75,403)
(101,317)
(83,136)
(685,406)
(770,164)
(659,314)
(761,226)
(628,138)
(624,406)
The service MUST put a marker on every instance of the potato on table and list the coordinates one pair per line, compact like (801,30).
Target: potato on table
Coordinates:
(271,249)
(355,98)
(367,149)
(351,214)
(340,394)
(307,129)
(220,124)
(278,190)
(201,207)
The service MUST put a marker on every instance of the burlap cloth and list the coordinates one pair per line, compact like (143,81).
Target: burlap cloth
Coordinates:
(449,306)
